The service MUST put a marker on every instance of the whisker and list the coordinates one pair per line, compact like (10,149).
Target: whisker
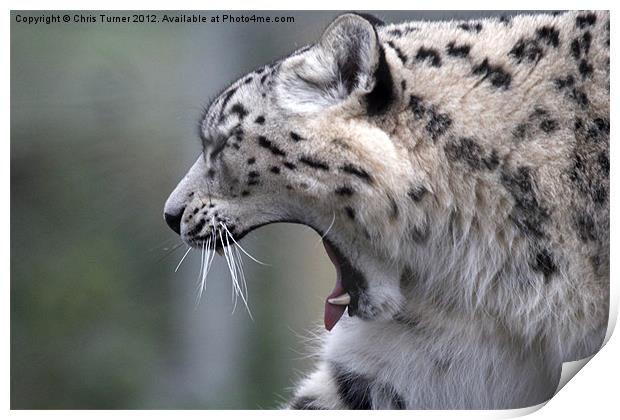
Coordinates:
(182,259)
(244,282)
(202,261)
(329,228)
(232,273)
(164,245)
(169,252)
(234,261)
(243,250)
(203,278)
(238,265)
(235,275)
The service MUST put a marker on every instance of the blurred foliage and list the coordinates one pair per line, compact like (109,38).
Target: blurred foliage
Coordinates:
(102,126)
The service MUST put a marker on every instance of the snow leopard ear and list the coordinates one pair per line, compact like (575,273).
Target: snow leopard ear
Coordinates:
(348,60)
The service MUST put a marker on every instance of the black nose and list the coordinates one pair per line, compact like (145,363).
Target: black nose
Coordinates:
(174,221)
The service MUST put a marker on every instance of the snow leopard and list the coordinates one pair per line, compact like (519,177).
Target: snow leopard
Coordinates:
(463,169)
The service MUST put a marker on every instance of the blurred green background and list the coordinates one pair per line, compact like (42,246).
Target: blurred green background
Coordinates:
(103,125)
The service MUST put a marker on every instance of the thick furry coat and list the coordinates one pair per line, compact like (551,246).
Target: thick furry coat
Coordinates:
(465,169)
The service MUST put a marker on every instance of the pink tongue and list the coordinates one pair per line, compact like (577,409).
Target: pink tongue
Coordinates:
(333,313)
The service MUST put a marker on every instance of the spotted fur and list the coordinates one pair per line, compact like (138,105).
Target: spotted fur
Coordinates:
(464,168)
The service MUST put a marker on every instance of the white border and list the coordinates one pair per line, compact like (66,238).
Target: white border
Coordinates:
(592,393)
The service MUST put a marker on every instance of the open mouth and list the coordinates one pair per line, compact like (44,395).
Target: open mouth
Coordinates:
(339,298)
(346,290)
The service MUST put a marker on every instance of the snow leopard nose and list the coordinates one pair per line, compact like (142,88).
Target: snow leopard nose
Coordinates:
(174,220)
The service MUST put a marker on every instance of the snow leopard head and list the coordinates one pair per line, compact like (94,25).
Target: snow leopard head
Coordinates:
(303,140)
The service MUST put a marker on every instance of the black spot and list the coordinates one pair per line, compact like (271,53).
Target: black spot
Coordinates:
(357,171)
(253,182)
(274,170)
(263,142)
(602,124)
(603,161)
(239,110)
(575,49)
(468,151)
(424,53)
(238,133)
(417,193)
(599,194)
(548,125)
(251,161)
(572,92)
(305,403)
(505,19)
(393,209)
(526,49)
(415,103)
(458,50)
(496,75)
(382,95)
(289,165)
(247,81)
(253,174)
(580,97)
(527,214)
(437,124)
(585,69)
(353,389)
(197,228)
(263,78)
(408,29)
(578,124)
(314,163)
(295,136)
(245,193)
(227,97)
(260,120)
(211,173)
(585,227)
(345,190)
(398,51)
(588,19)
(549,34)
(586,41)
(569,81)
(350,212)
(589,171)
(420,234)
(544,263)
(395,32)
(469,27)
(520,131)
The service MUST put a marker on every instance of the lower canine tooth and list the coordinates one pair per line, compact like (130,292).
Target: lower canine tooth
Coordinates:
(343,299)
